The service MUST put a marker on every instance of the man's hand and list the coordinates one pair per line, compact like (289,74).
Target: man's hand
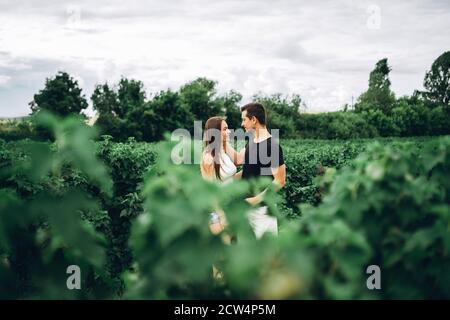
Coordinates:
(279,180)
(279,176)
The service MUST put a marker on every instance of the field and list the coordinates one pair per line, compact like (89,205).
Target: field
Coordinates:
(136,224)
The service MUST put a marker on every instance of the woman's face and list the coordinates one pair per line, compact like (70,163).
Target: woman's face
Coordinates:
(225,131)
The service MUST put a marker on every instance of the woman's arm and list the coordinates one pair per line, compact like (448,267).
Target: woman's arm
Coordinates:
(279,176)
(237,157)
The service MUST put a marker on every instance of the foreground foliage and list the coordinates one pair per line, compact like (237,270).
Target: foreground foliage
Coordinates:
(137,224)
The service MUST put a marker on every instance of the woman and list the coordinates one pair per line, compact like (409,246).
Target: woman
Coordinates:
(216,164)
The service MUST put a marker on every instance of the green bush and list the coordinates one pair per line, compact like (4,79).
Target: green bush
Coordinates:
(42,231)
(439,121)
(384,124)
(127,163)
(335,125)
(399,202)
(17,130)
(412,119)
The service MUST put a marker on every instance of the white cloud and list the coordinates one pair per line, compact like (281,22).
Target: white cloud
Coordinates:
(4,79)
(323,51)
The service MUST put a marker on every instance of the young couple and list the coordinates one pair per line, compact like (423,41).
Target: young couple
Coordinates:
(262,156)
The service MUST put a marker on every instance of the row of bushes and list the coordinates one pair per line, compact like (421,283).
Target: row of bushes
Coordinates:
(17,130)
(406,120)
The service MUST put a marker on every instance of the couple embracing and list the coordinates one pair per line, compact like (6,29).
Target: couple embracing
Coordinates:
(262,156)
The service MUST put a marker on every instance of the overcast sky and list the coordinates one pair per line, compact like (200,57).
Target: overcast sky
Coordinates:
(322,50)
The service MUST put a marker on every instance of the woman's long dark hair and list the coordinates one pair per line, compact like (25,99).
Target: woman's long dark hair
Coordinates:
(211,145)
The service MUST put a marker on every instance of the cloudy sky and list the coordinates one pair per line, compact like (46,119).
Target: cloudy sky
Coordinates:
(322,50)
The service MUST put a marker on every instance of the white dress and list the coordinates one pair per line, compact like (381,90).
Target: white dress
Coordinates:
(259,220)
(227,167)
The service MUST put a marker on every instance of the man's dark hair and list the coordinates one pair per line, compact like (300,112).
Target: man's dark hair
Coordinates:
(256,110)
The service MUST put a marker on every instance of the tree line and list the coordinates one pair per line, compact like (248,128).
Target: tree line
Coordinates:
(125,110)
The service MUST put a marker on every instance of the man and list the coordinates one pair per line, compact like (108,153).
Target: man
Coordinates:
(262,156)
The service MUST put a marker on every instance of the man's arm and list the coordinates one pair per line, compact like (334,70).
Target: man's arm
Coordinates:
(237,157)
(279,175)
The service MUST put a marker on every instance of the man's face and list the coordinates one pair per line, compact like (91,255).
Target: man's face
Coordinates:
(247,124)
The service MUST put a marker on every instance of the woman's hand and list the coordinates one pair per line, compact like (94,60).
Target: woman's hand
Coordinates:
(218,225)
(216,228)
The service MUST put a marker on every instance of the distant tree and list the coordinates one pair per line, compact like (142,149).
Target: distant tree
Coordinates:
(384,124)
(104,99)
(120,111)
(110,124)
(198,96)
(165,113)
(282,112)
(229,106)
(411,117)
(439,121)
(106,102)
(379,94)
(131,96)
(61,95)
(437,81)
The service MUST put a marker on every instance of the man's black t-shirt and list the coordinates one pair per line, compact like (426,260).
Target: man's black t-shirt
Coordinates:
(261,157)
